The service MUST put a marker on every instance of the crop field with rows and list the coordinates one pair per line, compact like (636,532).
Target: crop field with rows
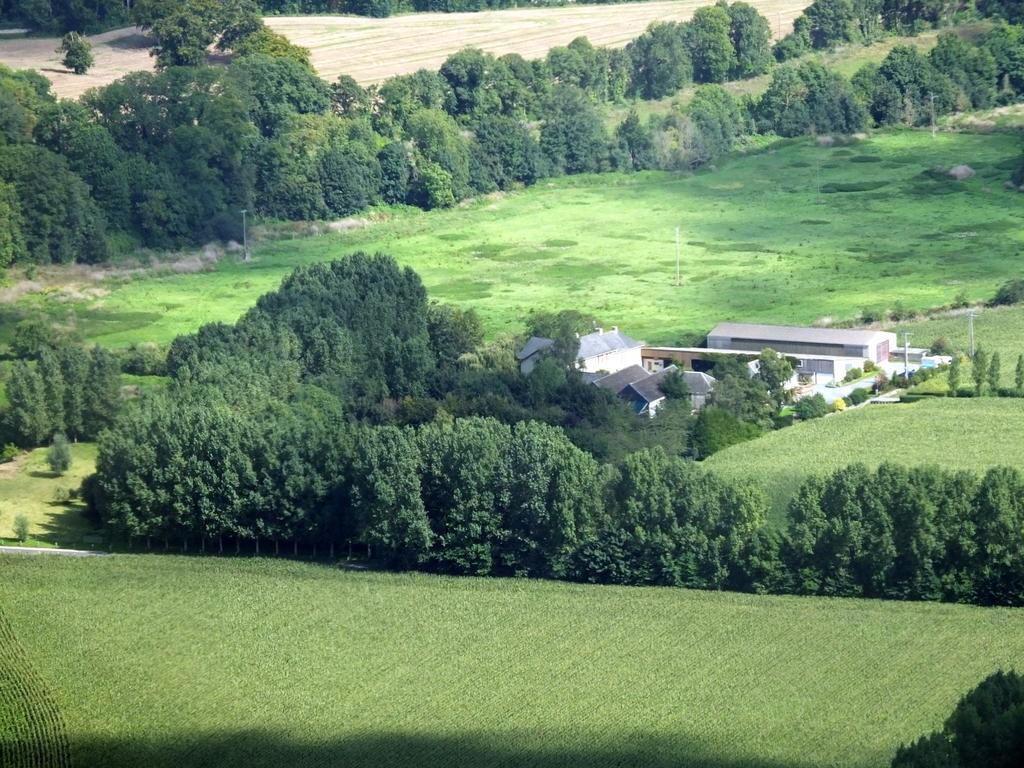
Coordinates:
(170,662)
(960,433)
(32,733)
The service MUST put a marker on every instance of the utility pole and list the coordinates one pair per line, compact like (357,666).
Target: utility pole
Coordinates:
(931,96)
(245,235)
(970,332)
(906,356)
(677,257)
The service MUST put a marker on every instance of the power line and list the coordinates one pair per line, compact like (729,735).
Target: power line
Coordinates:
(678,282)
(906,356)
(971,314)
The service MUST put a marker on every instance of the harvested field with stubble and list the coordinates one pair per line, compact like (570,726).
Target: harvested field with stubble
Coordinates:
(371,50)
(117,53)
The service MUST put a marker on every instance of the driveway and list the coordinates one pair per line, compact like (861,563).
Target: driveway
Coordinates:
(50,551)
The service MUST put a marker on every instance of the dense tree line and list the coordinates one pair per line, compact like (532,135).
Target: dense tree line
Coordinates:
(985,730)
(825,24)
(68,389)
(920,533)
(169,158)
(346,410)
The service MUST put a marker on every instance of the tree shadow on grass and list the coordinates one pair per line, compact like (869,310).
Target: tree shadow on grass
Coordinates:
(260,749)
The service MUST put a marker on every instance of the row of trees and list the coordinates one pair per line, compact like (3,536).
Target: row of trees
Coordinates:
(826,24)
(70,390)
(287,427)
(920,533)
(479,497)
(165,159)
(721,42)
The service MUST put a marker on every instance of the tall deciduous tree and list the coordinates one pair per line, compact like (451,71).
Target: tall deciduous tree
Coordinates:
(77,53)
(386,496)
(709,36)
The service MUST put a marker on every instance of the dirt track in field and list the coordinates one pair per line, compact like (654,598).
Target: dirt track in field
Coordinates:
(371,50)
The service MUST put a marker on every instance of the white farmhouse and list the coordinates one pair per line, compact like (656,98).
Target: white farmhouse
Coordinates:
(599,352)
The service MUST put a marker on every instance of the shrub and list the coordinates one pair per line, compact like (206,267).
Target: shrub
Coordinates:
(21,528)
(813,407)
(9,453)
(58,455)
(869,316)
(859,396)
(839,405)
(942,346)
(869,366)
(1010,292)
(853,374)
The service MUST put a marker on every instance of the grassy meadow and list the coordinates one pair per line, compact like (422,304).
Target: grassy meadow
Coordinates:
(28,487)
(759,243)
(178,662)
(970,434)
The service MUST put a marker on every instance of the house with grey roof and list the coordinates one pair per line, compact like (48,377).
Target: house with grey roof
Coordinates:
(642,388)
(599,352)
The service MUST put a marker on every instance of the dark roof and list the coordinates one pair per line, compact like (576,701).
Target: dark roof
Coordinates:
(602,342)
(616,382)
(770,333)
(533,346)
(649,389)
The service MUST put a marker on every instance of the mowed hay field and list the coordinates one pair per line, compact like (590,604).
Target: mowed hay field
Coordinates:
(758,244)
(178,662)
(117,53)
(962,433)
(371,50)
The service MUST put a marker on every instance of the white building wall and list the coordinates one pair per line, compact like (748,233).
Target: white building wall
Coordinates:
(612,362)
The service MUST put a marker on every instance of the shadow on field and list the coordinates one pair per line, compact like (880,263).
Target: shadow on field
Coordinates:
(259,749)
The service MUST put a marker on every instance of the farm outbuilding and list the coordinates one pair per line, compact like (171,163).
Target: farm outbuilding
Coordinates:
(809,342)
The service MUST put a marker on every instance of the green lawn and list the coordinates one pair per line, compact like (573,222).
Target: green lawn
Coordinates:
(996,329)
(758,244)
(181,662)
(954,433)
(27,486)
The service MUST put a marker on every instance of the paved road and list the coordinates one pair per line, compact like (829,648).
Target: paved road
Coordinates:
(50,551)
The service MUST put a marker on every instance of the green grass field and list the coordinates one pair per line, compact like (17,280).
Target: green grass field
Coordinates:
(179,662)
(27,486)
(970,434)
(996,329)
(759,243)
